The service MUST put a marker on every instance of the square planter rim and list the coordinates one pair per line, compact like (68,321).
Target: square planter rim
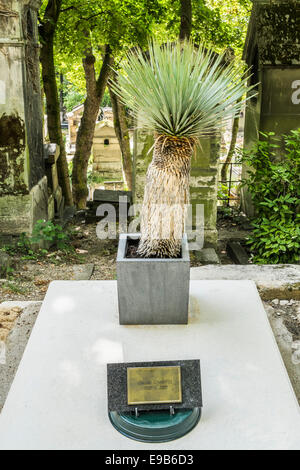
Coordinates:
(121,256)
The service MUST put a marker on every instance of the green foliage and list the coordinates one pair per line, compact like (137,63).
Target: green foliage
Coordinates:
(106,101)
(13,287)
(24,248)
(129,23)
(274,186)
(225,212)
(218,23)
(94,178)
(224,196)
(94,23)
(44,233)
(50,233)
(180,91)
(72,97)
(24,244)
(223,193)
(221,23)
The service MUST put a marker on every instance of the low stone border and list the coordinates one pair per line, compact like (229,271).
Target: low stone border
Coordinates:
(284,318)
(15,343)
(280,281)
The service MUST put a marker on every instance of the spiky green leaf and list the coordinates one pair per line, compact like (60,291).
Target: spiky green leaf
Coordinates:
(180,90)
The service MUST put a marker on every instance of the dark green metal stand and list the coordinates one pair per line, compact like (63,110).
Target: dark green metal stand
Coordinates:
(155,426)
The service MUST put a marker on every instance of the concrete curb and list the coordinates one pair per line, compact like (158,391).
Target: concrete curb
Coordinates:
(12,350)
(281,281)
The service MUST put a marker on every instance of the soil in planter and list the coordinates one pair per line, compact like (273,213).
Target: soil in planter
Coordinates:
(132,247)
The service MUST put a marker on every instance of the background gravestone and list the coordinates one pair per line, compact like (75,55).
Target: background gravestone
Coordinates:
(272,49)
(23,184)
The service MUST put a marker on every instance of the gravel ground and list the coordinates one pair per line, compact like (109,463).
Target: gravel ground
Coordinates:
(284,317)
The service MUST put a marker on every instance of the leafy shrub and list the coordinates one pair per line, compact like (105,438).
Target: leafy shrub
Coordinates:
(22,246)
(50,233)
(273,183)
(45,235)
(223,194)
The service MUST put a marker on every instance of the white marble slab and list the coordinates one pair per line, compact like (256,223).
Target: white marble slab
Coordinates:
(58,398)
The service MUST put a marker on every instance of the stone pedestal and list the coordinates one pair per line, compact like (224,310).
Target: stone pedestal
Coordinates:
(153,291)
(23,185)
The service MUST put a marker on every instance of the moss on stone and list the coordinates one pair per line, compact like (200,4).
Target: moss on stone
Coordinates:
(278,33)
(12,147)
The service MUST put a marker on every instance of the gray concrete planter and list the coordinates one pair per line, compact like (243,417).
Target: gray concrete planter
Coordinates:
(152,291)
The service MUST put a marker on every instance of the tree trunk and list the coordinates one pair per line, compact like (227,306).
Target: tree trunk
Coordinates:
(165,199)
(47,31)
(235,130)
(186,20)
(121,128)
(95,91)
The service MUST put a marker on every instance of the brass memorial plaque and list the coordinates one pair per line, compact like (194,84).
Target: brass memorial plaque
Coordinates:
(153,385)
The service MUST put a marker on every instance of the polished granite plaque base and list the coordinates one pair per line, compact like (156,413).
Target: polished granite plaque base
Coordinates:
(154,401)
(190,387)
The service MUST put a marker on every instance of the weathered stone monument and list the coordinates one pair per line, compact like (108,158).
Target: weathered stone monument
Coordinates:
(23,184)
(273,51)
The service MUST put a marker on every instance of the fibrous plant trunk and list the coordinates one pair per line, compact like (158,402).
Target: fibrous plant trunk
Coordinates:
(165,198)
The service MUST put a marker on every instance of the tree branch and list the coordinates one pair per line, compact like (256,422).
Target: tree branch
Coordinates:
(69,8)
(105,71)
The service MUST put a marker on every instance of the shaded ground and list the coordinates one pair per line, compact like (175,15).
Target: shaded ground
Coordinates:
(232,226)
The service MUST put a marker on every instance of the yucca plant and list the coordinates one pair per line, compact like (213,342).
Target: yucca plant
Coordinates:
(179,93)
